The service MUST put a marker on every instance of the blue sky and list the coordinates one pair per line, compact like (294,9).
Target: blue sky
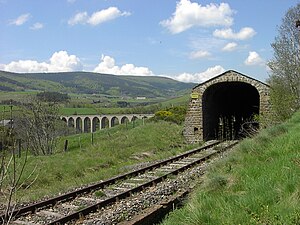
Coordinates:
(187,40)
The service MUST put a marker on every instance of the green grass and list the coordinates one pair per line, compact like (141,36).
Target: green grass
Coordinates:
(16,95)
(183,100)
(258,183)
(89,111)
(113,152)
(77,111)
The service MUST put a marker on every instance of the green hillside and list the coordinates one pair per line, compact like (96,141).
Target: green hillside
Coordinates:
(90,83)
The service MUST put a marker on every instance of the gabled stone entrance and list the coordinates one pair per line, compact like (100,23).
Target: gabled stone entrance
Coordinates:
(220,106)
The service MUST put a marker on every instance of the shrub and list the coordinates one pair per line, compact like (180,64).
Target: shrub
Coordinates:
(173,114)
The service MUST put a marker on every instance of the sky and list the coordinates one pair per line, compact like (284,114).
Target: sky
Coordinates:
(187,40)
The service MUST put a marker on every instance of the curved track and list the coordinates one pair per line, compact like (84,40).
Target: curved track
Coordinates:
(77,204)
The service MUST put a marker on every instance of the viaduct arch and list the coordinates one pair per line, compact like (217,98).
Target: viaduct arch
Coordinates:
(92,123)
(219,107)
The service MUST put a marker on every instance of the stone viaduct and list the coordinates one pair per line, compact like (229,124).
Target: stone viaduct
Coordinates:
(92,123)
(221,106)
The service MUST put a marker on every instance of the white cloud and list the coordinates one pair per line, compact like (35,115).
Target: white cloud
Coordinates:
(243,34)
(254,59)
(200,54)
(25,66)
(106,15)
(202,76)
(98,17)
(188,15)
(37,26)
(81,17)
(208,45)
(62,61)
(59,62)
(20,20)
(230,47)
(108,66)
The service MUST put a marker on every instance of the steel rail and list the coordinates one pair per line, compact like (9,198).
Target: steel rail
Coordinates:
(90,209)
(73,194)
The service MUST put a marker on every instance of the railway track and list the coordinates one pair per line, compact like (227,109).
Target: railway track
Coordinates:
(76,205)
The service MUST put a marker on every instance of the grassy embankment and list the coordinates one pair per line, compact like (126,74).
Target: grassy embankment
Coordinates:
(112,153)
(258,183)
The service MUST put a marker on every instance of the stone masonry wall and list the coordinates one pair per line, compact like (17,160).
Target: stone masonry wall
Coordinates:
(193,127)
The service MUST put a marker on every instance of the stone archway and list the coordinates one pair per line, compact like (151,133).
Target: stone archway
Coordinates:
(124,120)
(226,106)
(95,124)
(104,123)
(226,100)
(78,125)
(87,125)
(114,121)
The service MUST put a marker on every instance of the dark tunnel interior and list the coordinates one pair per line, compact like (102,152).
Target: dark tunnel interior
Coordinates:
(227,109)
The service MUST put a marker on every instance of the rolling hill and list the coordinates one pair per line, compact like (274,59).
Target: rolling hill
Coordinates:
(89,83)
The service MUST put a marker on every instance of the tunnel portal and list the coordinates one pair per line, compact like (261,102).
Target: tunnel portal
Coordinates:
(222,107)
(226,107)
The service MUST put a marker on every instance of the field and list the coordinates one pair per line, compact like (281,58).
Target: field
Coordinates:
(258,183)
(92,109)
(78,111)
(84,106)
(16,96)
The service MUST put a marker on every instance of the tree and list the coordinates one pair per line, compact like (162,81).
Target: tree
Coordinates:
(285,66)
(39,126)
(47,96)
(12,179)
(12,171)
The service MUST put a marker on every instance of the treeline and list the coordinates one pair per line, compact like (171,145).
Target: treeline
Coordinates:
(57,97)
(285,67)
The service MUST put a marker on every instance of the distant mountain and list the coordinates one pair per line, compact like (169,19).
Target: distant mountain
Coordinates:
(89,83)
